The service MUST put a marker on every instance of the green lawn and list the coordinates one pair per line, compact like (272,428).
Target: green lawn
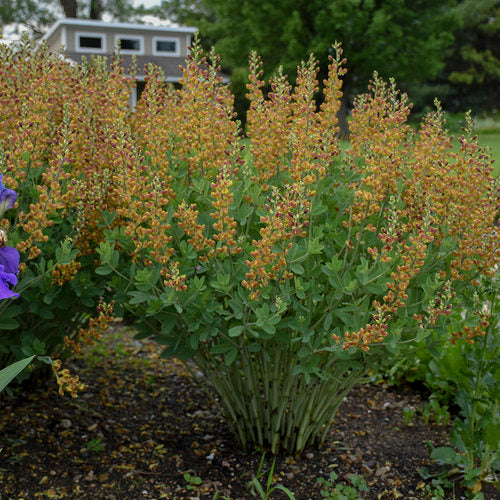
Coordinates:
(493,142)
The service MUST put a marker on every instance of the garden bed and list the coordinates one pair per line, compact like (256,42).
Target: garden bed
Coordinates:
(143,425)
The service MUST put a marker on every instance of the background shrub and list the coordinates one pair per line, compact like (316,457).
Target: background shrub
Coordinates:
(60,146)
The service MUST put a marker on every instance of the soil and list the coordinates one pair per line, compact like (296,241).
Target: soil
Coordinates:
(144,429)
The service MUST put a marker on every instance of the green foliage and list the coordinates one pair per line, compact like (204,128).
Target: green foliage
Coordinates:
(284,319)
(467,375)
(332,490)
(400,39)
(95,445)
(37,15)
(193,482)
(255,485)
(473,62)
(12,371)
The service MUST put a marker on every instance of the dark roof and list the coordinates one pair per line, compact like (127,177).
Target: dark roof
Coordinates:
(169,65)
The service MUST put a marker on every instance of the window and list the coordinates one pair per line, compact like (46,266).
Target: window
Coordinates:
(90,42)
(130,44)
(166,46)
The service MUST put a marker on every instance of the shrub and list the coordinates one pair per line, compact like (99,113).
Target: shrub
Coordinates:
(61,148)
(285,271)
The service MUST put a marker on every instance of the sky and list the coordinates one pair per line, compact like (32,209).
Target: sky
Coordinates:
(147,3)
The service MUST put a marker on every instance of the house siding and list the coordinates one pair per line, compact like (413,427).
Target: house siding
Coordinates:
(110,34)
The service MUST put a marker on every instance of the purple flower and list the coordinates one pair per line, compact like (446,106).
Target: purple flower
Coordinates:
(9,267)
(7,197)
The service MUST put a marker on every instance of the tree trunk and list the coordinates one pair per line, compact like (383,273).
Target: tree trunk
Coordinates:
(344,108)
(69,7)
(96,9)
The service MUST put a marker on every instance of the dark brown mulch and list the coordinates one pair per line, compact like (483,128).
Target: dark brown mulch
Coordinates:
(142,425)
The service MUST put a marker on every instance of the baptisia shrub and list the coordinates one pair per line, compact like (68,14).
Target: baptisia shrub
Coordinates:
(61,141)
(284,268)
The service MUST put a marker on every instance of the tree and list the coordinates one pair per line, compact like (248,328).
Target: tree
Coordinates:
(38,15)
(404,39)
(473,64)
(35,15)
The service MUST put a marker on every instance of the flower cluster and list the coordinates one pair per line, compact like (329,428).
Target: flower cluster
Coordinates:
(224,225)
(378,134)
(268,122)
(180,121)
(287,133)
(95,328)
(66,381)
(413,192)
(188,221)
(285,221)
(174,279)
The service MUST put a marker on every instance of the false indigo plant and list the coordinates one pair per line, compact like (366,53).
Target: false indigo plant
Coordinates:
(284,268)
(61,125)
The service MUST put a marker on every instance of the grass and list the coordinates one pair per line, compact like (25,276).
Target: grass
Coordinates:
(492,141)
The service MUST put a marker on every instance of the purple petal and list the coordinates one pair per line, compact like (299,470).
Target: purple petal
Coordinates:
(5,291)
(7,199)
(9,259)
(5,280)
(6,277)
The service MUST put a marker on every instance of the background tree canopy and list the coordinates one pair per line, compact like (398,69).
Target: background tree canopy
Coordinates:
(38,15)
(449,48)
(404,39)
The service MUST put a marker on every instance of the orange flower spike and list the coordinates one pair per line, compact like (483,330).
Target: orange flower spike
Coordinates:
(328,115)
(285,221)
(268,122)
(173,278)
(225,225)
(96,327)
(187,217)
(379,134)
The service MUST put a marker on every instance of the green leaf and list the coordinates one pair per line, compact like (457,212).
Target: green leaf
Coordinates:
(269,328)
(230,357)
(422,334)
(104,270)
(328,321)
(491,435)
(297,268)
(351,286)
(315,247)
(376,287)
(287,492)
(115,258)
(198,284)
(12,371)
(335,264)
(8,324)
(139,297)
(221,348)
(444,455)
(108,217)
(254,347)
(318,208)
(258,487)
(236,331)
